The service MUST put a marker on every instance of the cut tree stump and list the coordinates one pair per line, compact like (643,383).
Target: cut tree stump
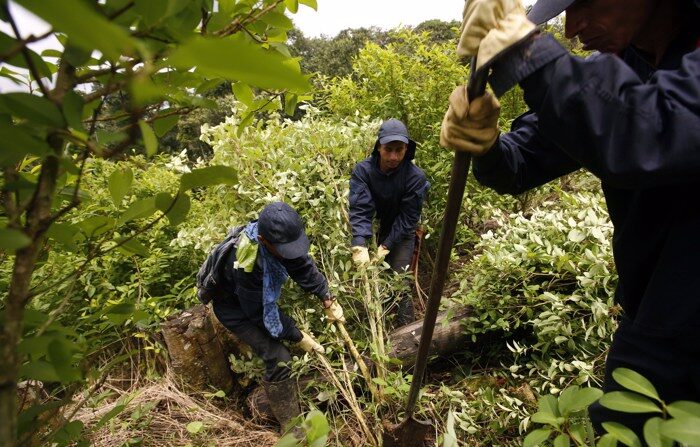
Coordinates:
(199,347)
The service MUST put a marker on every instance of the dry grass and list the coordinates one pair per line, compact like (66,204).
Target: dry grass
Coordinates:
(158,413)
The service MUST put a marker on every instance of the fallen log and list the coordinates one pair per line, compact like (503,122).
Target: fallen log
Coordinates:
(449,337)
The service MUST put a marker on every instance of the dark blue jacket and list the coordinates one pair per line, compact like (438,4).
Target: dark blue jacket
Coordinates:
(245,290)
(395,198)
(636,128)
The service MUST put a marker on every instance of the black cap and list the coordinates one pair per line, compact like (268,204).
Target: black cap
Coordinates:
(393,130)
(545,10)
(281,226)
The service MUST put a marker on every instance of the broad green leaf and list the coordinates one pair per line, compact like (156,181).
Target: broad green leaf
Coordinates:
(577,400)
(64,233)
(277,19)
(652,433)
(109,415)
(36,109)
(238,59)
(288,440)
(16,142)
(7,43)
(685,430)
(578,433)
(316,427)
(542,417)
(150,141)
(132,246)
(628,402)
(73,110)
(607,440)
(622,434)
(292,5)
(195,427)
(119,184)
(138,210)
(684,408)
(12,240)
(548,404)
(62,361)
(152,11)
(96,225)
(290,103)
(84,26)
(69,433)
(39,370)
(162,125)
(175,212)
(634,381)
(212,175)
(562,441)
(121,309)
(35,346)
(537,437)
(243,92)
(310,3)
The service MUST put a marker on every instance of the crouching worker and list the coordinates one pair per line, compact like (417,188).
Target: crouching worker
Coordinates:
(387,184)
(249,268)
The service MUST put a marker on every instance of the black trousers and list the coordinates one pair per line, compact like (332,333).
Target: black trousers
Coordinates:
(399,258)
(672,364)
(275,354)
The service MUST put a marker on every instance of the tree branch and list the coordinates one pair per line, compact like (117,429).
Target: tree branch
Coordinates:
(21,44)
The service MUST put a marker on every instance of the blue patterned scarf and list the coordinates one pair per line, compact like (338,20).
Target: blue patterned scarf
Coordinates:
(274,275)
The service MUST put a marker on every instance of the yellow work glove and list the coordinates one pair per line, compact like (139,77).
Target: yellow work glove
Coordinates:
(382,251)
(360,255)
(334,312)
(471,128)
(490,27)
(309,344)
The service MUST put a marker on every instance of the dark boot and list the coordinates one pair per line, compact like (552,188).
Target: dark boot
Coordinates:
(404,312)
(284,402)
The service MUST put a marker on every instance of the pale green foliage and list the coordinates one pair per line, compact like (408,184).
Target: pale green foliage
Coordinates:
(409,79)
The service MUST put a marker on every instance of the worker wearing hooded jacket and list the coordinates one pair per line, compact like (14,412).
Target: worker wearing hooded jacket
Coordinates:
(631,116)
(263,254)
(389,186)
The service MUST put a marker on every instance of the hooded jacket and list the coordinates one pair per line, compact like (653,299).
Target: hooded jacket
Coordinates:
(396,198)
(637,128)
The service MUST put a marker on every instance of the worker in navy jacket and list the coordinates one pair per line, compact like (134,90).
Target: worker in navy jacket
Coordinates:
(258,262)
(389,186)
(631,116)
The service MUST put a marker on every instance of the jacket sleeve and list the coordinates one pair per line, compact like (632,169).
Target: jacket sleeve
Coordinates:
(411,205)
(629,133)
(305,273)
(362,208)
(521,159)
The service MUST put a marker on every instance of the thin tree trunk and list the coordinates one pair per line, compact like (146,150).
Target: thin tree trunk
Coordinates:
(38,214)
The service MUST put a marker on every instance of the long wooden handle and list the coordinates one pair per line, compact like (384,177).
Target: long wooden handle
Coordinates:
(458,181)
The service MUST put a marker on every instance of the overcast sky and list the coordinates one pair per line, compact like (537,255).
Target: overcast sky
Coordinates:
(335,15)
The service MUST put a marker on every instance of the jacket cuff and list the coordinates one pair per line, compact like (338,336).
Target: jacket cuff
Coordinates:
(295,336)
(490,160)
(523,61)
(358,241)
(388,243)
